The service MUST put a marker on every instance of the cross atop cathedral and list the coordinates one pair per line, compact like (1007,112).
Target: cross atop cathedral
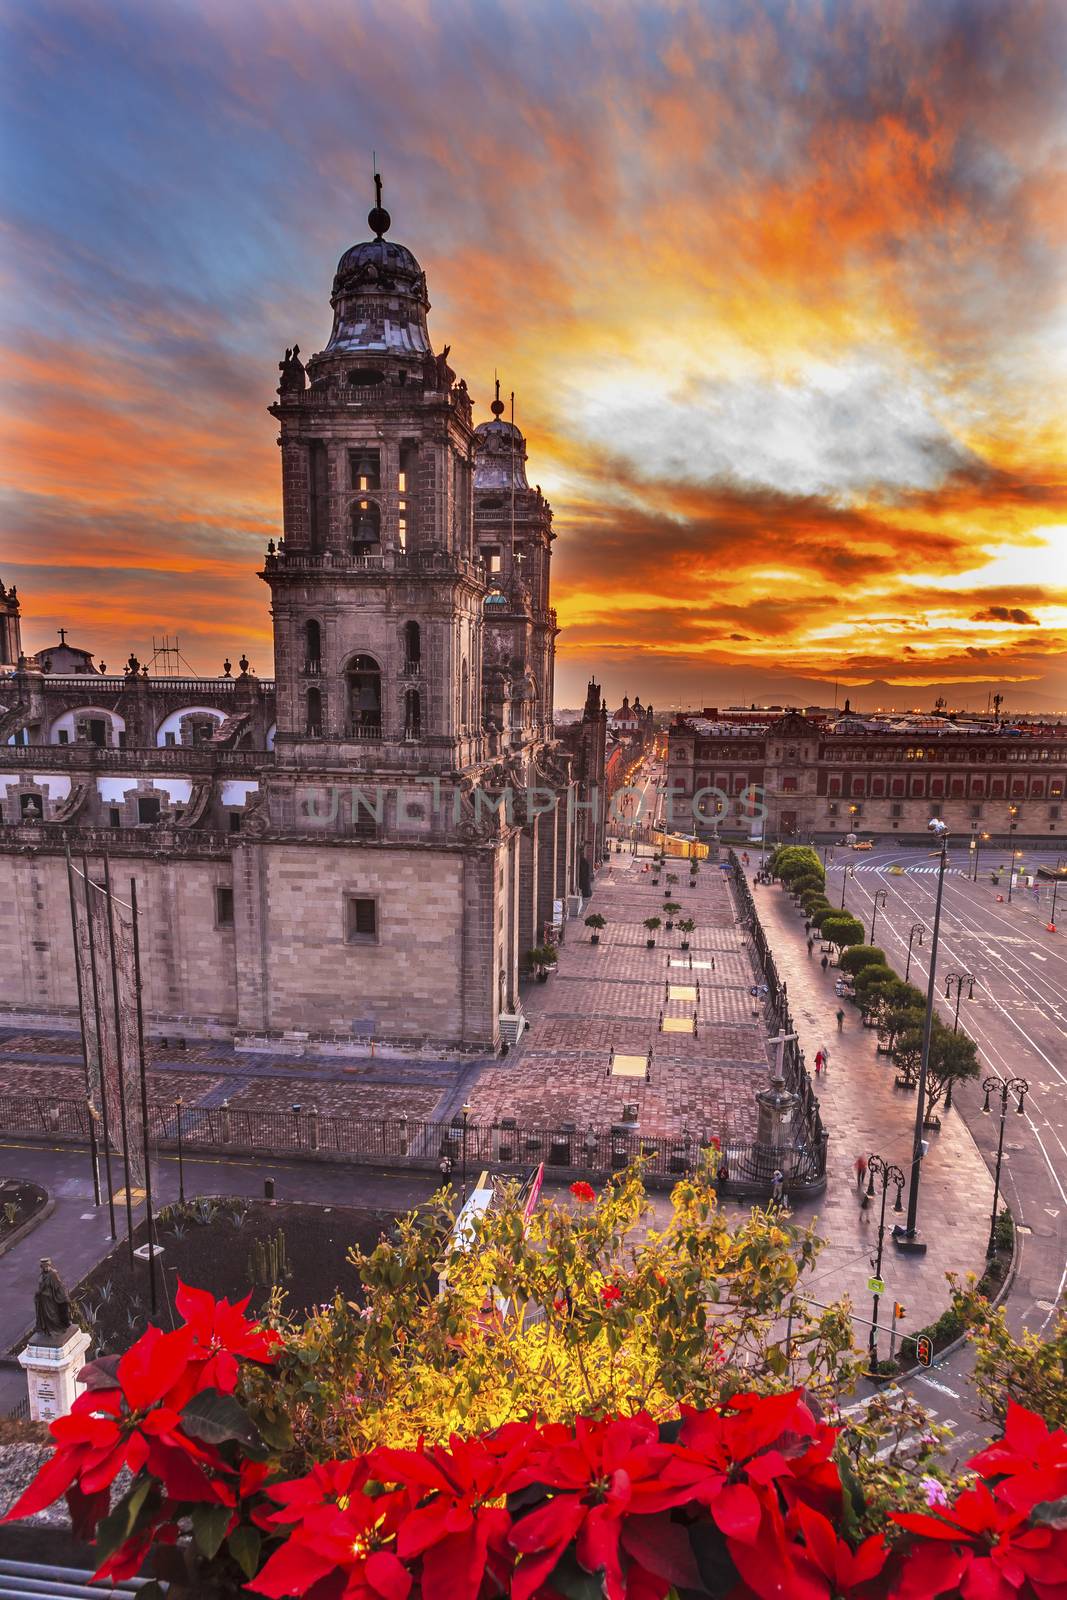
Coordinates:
(62,635)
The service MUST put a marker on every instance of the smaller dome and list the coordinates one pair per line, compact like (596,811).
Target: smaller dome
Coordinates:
(379,264)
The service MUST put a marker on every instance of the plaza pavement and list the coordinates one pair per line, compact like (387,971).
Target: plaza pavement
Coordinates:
(602,998)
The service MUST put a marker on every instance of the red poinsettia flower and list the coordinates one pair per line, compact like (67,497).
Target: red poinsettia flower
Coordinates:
(847,1572)
(602,1473)
(454,1521)
(222,1333)
(354,1541)
(1030,1460)
(134,1424)
(611,1294)
(583,1191)
(329,1483)
(981,1549)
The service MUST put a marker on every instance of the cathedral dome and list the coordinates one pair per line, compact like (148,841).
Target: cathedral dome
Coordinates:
(379,296)
(499,452)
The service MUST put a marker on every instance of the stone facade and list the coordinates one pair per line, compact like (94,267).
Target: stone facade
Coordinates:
(807,778)
(366,847)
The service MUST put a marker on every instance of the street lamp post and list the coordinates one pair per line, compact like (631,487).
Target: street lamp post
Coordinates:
(1006,1086)
(844,879)
(1055,892)
(880,899)
(887,1173)
(907,1238)
(976,845)
(916,932)
(467,1108)
(1013,812)
(959,979)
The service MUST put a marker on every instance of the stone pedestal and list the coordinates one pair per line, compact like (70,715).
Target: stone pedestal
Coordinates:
(775,1107)
(51,1363)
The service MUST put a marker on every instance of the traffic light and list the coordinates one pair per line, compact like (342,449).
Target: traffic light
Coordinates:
(899,1310)
(924,1350)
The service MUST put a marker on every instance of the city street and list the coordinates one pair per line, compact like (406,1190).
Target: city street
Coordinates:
(1018,1019)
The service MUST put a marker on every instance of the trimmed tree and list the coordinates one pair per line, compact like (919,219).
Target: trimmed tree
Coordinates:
(596,922)
(842,930)
(860,956)
(953,1059)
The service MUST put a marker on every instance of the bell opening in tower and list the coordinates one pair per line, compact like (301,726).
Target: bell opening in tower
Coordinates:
(365,698)
(366,528)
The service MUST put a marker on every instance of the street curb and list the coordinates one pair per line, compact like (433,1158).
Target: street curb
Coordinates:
(28,1226)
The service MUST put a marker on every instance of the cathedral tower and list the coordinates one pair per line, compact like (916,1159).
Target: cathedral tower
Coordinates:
(377,596)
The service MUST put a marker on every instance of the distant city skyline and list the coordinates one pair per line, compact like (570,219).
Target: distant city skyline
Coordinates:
(779,290)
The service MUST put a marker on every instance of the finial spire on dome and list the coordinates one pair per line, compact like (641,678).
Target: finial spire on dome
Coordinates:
(497,407)
(378,218)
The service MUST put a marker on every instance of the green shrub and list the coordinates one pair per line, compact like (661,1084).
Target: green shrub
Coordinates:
(862,955)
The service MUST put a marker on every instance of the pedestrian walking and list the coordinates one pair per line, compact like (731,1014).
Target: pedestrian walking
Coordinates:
(865,1204)
(861,1169)
(724,1174)
(840,1020)
(811,946)
(818,1062)
(825,1057)
(777,1186)
(825,962)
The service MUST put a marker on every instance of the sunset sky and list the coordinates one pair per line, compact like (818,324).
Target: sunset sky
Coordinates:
(780,288)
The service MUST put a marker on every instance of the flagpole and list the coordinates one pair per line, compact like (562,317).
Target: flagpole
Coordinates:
(118,1055)
(144,1100)
(104,1113)
(93,1155)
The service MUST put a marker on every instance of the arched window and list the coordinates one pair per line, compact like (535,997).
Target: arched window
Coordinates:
(464,697)
(365,698)
(312,647)
(412,647)
(412,714)
(366,528)
(314,716)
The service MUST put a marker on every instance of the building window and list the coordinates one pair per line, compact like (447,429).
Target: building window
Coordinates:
(1054,813)
(465,697)
(361,920)
(412,647)
(169,740)
(365,467)
(412,714)
(64,736)
(147,810)
(314,712)
(935,809)
(365,698)
(235,822)
(366,528)
(318,494)
(312,646)
(896,809)
(114,817)
(223,906)
(832,808)
(492,557)
(976,812)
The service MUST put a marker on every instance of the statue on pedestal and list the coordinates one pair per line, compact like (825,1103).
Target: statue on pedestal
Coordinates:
(51,1302)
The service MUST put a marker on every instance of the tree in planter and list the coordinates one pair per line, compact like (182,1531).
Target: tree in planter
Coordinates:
(652,924)
(805,881)
(898,1020)
(671,909)
(953,1059)
(814,905)
(842,930)
(541,958)
(907,1050)
(872,989)
(596,922)
(685,928)
(860,956)
(792,860)
(821,917)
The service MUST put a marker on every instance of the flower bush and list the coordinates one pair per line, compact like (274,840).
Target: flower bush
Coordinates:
(750,1498)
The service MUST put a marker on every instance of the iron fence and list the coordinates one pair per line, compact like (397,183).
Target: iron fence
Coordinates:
(808,1119)
(448,1146)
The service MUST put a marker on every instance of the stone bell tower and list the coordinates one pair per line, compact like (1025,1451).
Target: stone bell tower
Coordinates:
(376,593)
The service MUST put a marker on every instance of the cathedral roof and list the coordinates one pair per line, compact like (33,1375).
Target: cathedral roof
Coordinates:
(499,451)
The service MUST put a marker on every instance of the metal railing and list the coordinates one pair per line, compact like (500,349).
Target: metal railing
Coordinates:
(411,1143)
(808,1119)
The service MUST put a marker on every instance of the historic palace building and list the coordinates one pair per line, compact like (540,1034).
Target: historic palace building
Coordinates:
(368,846)
(795,776)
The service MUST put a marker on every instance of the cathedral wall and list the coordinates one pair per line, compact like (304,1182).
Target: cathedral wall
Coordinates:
(187,960)
(407,982)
